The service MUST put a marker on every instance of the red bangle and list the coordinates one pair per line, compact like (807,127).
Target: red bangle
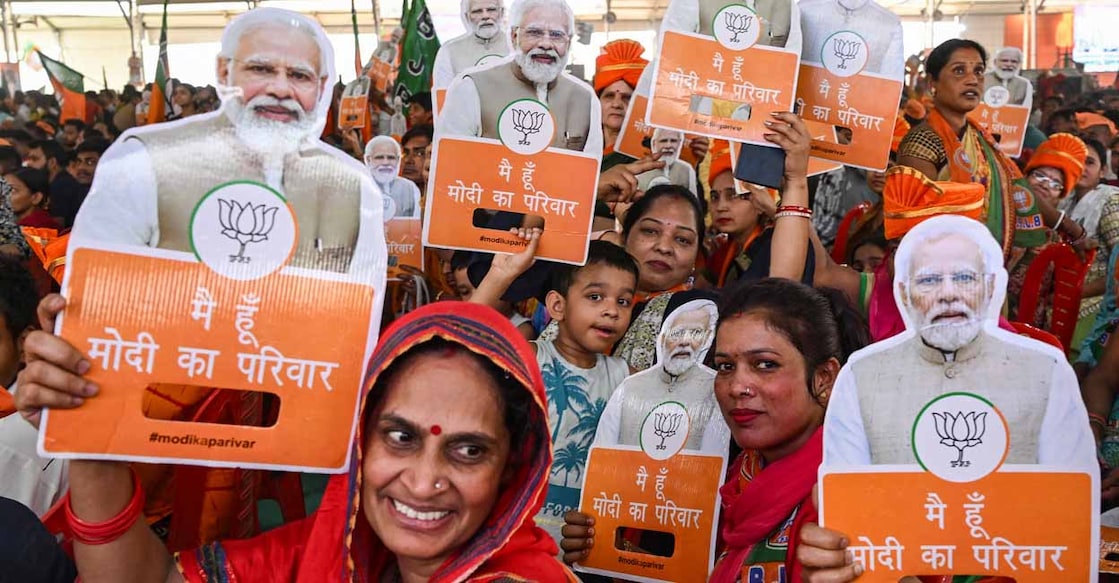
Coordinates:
(1098,419)
(106,532)
(790,207)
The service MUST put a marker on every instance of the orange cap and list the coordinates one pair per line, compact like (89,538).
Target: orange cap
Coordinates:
(1088,119)
(909,198)
(619,59)
(1064,152)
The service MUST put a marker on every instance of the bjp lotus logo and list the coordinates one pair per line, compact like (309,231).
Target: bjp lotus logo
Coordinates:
(845,50)
(526,126)
(666,425)
(961,431)
(844,54)
(528,123)
(245,223)
(737,24)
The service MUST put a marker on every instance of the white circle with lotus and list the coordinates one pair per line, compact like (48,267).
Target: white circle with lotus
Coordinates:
(665,430)
(844,54)
(243,230)
(736,27)
(526,126)
(960,437)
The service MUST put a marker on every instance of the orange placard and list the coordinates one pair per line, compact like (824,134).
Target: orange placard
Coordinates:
(1007,123)
(151,318)
(634,131)
(381,74)
(625,488)
(403,240)
(1033,526)
(354,105)
(702,87)
(864,103)
(473,178)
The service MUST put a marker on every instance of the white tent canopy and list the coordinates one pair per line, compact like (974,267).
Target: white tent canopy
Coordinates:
(91,34)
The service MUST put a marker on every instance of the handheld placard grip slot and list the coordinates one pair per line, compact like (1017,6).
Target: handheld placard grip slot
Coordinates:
(648,542)
(504,220)
(193,404)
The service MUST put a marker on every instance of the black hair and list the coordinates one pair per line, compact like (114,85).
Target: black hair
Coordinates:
(1067,114)
(52,150)
(424,130)
(662,191)
(95,145)
(517,401)
(18,296)
(598,253)
(422,99)
(75,123)
(874,239)
(16,135)
(9,157)
(460,260)
(939,56)
(35,179)
(190,88)
(820,324)
(1095,144)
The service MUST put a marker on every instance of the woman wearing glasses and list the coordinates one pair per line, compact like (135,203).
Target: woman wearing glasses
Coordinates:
(948,146)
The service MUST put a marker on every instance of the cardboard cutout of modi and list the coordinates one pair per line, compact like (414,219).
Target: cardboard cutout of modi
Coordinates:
(1007,101)
(229,250)
(938,441)
(518,143)
(658,459)
(724,65)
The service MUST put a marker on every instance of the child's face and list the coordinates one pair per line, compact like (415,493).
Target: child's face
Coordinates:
(10,356)
(597,307)
(462,285)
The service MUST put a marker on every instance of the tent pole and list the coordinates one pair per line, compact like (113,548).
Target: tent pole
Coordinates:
(5,25)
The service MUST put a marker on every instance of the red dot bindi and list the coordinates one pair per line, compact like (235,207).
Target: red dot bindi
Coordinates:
(436,430)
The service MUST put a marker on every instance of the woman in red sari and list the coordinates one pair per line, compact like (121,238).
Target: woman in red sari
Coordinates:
(445,482)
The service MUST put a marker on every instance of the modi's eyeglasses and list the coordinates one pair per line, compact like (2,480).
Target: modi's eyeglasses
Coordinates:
(265,71)
(965,280)
(536,34)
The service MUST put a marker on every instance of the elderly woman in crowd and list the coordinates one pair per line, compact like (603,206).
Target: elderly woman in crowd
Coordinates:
(444,484)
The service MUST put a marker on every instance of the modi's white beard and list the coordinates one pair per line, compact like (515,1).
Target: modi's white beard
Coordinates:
(539,72)
(383,175)
(485,30)
(270,137)
(1004,75)
(679,362)
(669,159)
(949,337)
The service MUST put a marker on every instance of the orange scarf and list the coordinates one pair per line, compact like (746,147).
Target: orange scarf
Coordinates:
(976,158)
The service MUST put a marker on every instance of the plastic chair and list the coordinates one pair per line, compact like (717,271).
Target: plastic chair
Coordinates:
(839,250)
(1037,334)
(1068,280)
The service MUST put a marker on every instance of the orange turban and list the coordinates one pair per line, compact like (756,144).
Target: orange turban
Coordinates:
(720,159)
(909,198)
(619,60)
(915,109)
(1066,153)
(901,127)
(1087,119)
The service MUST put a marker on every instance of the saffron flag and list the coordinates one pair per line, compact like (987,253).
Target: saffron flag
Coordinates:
(161,90)
(69,87)
(417,57)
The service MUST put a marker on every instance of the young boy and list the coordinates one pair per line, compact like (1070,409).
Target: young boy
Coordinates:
(592,305)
